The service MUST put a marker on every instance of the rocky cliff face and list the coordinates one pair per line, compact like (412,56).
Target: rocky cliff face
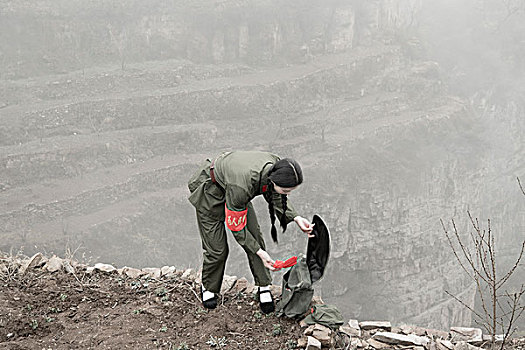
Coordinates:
(60,36)
(98,160)
(57,37)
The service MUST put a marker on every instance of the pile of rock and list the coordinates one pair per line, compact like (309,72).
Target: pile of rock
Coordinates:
(55,264)
(17,265)
(381,335)
(316,337)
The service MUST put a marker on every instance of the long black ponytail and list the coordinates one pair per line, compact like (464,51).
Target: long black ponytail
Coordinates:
(285,173)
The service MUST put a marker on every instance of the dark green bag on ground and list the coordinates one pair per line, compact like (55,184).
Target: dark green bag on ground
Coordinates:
(297,290)
(325,314)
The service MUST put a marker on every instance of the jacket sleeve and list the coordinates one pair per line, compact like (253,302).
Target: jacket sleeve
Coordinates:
(278,207)
(236,210)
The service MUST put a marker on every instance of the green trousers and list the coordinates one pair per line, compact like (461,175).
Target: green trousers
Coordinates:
(215,246)
(208,199)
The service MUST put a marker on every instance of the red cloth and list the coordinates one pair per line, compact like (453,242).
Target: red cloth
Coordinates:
(278,264)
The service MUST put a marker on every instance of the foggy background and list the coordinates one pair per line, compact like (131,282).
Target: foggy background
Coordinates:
(400,112)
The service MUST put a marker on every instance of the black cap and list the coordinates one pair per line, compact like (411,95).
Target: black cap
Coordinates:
(318,250)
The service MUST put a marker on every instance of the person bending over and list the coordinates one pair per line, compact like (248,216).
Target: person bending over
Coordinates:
(221,192)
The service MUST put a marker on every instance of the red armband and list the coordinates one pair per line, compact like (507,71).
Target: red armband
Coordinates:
(235,220)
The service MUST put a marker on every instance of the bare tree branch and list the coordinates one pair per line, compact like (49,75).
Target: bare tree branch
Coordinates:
(466,252)
(480,248)
(464,304)
(521,187)
(454,251)
(483,301)
(515,300)
(511,271)
(505,309)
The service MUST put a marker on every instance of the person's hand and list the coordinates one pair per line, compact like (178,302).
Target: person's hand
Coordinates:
(267,260)
(304,225)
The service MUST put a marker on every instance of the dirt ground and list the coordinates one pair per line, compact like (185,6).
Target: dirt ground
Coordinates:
(78,309)
(43,310)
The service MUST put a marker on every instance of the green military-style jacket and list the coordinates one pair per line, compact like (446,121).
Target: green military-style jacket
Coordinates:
(240,177)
